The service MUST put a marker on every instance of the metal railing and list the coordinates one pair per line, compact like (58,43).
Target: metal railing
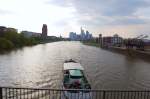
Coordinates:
(34,93)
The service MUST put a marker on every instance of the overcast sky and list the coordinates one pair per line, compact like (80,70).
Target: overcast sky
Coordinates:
(125,17)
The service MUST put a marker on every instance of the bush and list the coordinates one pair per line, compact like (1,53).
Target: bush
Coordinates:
(6,44)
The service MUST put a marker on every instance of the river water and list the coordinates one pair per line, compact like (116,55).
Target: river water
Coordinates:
(41,66)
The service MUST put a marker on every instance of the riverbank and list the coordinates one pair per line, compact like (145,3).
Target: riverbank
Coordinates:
(122,50)
(3,51)
(12,39)
(91,44)
(131,51)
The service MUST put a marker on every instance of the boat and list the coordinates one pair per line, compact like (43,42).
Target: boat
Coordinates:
(74,81)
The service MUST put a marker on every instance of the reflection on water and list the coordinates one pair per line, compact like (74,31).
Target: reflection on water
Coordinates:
(41,66)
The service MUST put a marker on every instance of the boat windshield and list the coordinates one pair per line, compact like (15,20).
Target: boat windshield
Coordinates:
(75,73)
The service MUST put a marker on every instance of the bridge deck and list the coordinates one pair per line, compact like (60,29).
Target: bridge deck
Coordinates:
(39,93)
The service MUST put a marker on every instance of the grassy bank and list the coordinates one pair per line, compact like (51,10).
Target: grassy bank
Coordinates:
(91,43)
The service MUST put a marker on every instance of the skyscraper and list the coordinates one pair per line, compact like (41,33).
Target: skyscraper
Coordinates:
(82,34)
(80,37)
(44,31)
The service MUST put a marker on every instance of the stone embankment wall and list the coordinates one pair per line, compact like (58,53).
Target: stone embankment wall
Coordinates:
(131,52)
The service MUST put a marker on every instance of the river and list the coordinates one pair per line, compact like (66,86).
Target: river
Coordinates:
(41,66)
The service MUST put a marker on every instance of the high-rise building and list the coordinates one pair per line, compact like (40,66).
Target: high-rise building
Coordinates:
(72,36)
(44,31)
(82,34)
(88,35)
(80,37)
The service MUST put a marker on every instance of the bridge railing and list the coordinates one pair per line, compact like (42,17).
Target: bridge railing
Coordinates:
(37,93)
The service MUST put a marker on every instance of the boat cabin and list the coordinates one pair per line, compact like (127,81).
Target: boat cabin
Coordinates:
(74,77)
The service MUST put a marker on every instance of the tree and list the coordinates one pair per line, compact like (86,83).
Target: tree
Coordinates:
(6,44)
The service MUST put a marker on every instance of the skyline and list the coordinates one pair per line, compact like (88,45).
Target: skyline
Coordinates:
(126,18)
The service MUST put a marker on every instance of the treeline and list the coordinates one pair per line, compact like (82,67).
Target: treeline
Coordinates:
(10,40)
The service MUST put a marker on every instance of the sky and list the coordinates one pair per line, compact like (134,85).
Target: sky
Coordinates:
(128,18)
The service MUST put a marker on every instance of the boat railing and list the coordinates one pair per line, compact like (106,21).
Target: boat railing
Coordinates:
(40,93)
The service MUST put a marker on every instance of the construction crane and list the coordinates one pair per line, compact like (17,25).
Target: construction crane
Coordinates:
(138,42)
(142,37)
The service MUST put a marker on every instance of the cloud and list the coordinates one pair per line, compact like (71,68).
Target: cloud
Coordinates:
(105,7)
(123,7)
(104,12)
(63,3)
(4,12)
(128,20)
(70,15)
